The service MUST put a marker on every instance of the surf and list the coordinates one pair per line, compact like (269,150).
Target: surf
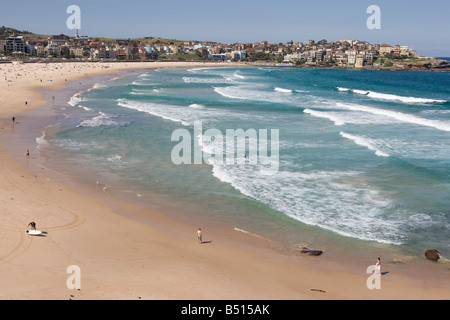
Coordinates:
(391,97)
(403,117)
(365,142)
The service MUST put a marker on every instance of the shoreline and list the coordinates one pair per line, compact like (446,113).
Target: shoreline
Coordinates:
(234,265)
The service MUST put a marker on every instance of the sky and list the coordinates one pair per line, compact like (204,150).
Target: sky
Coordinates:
(422,25)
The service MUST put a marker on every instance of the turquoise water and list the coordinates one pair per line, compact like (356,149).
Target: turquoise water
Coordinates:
(363,156)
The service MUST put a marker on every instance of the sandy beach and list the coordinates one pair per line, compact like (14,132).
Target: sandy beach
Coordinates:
(129,252)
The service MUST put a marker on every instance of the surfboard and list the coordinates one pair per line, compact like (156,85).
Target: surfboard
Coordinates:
(34,232)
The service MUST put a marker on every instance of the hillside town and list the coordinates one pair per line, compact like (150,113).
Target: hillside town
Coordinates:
(341,54)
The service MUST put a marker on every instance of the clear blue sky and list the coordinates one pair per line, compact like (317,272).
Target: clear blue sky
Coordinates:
(422,25)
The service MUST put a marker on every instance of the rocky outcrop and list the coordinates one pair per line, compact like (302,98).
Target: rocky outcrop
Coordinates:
(432,255)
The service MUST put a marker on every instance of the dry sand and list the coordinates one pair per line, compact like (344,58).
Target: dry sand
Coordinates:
(128,252)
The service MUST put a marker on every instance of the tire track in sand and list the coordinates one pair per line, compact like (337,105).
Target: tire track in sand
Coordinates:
(17,187)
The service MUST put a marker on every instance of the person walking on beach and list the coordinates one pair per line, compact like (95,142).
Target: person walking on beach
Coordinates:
(199,236)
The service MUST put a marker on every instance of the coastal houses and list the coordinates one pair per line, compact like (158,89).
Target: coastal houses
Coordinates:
(341,53)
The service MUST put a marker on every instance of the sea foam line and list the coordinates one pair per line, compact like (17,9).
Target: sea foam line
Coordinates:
(75,99)
(362,141)
(392,97)
(102,120)
(337,121)
(206,80)
(154,109)
(440,125)
(283,191)
(278,89)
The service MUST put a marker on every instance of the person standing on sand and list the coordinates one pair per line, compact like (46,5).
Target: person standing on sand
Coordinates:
(378,265)
(199,236)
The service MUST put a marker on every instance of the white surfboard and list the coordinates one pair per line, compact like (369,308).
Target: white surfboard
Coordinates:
(34,232)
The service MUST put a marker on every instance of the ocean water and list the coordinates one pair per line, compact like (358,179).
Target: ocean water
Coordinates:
(354,157)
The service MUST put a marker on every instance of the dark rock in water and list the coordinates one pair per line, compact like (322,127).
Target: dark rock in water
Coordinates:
(311,252)
(315,252)
(432,255)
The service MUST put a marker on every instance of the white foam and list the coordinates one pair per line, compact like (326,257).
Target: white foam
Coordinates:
(75,99)
(196,106)
(167,112)
(41,141)
(350,117)
(207,80)
(418,147)
(391,97)
(102,120)
(83,107)
(327,115)
(115,158)
(249,93)
(436,112)
(144,92)
(140,83)
(99,85)
(195,70)
(333,200)
(403,117)
(238,75)
(366,142)
(186,115)
(278,89)
(144,76)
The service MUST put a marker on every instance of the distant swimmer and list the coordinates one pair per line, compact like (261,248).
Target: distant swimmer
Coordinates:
(28,153)
(13,119)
